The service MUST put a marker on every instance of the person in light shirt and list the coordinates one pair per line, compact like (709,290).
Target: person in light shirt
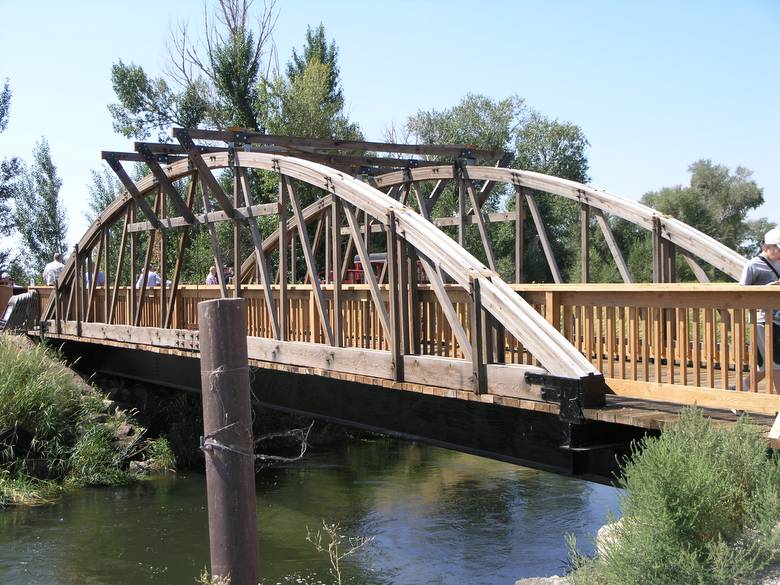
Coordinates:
(764,270)
(152,279)
(51,272)
(211,278)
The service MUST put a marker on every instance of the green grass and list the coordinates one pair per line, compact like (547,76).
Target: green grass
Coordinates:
(702,505)
(56,431)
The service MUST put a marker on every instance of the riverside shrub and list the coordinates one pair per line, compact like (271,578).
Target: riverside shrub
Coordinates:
(702,505)
(55,431)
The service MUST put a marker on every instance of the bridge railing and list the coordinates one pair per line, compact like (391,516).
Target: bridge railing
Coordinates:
(659,339)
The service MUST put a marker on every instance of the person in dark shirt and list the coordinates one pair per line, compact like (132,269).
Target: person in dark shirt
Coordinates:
(764,270)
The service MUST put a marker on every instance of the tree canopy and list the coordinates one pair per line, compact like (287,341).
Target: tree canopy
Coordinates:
(9,173)
(40,215)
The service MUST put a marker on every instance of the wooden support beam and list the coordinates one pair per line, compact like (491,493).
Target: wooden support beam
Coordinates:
(612,244)
(217,255)
(283,242)
(697,270)
(133,251)
(163,261)
(414,301)
(434,275)
(404,295)
(145,275)
(260,259)
(93,281)
(585,242)
(77,287)
(106,272)
(316,243)
(168,190)
(236,237)
(139,199)
(422,203)
(335,235)
(477,340)
(519,236)
(438,189)
(311,265)
(370,276)
(183,238)
(483,233)
(396,291)
(240,213)
(542,233)
(183,136)
(253,137)
(658,271)
(461,211)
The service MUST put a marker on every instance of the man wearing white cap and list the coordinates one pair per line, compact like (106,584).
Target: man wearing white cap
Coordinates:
(764,269)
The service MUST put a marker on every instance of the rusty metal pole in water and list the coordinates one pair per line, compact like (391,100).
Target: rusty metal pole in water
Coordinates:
(227,441)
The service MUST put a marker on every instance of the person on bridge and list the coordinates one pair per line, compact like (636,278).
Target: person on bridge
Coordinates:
(764,269)
(152,279)
(51,272)
(211,278)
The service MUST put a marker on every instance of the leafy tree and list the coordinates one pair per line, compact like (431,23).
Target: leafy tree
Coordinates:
(309,100)
(716,202)
(317,50)
(538,144)
(9,172)
(40,215)
(215,86)
(105,187)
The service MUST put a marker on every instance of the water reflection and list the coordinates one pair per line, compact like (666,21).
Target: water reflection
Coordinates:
(438,517)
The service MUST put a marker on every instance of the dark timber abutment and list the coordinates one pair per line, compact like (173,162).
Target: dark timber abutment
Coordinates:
(542,440)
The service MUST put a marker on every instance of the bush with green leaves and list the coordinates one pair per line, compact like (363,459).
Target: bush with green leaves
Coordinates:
(702,505)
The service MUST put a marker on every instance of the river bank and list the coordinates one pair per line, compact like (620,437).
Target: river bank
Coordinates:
(58,432)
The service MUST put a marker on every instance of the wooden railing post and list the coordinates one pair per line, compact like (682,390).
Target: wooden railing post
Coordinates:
(77,283)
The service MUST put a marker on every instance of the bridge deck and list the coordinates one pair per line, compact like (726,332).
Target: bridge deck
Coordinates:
(620,410)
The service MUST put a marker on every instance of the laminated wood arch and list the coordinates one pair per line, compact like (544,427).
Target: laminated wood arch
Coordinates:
(690,240)
(440,253)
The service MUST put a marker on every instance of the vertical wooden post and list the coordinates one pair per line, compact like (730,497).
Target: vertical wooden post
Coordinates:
(133,250)
(328,257)
(461,210)
(403,295)
(57,308)
(237,236)
(77,285)
(657,251)
(670,268)
(282,261)
(293,259)
(395,294)
(106,273)
(335,237)
(477,363)
(415,319)
(163,263)
(585,241)
(227,441)
(519,235)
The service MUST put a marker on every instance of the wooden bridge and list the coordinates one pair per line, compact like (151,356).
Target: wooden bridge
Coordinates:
(432,343)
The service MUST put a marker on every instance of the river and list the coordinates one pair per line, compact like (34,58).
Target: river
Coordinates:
(437,517)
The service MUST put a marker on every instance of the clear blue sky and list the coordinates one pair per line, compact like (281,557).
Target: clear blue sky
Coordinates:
(654,85)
